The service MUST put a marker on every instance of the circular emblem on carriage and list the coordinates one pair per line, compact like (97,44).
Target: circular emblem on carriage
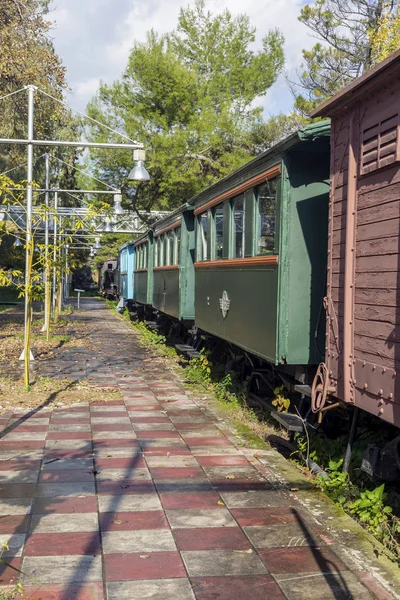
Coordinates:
(224,303)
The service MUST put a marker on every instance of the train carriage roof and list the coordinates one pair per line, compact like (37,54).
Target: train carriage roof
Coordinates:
(388,69)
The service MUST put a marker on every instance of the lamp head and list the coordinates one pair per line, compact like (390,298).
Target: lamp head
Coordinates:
(139,172)
(17,242)
(118,210)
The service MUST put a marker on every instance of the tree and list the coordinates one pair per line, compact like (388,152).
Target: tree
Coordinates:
(27,57)
(346,30)
(189,97)
(387,38)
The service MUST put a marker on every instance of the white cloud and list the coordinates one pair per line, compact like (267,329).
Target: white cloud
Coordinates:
(94,37)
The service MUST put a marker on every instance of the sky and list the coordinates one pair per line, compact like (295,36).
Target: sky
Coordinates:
(94,37)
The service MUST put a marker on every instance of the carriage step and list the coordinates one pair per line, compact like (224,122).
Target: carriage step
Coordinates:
(304,390)
(189,350)
(152,325)
(288,421)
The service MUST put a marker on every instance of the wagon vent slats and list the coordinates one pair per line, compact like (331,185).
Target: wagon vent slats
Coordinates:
(379,146)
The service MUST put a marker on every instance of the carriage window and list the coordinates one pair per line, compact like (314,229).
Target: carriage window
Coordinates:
(171,253)
(219,228)
(203,237)
(177,245)
(156,253)
(144,256)
(266,200)
(238,226)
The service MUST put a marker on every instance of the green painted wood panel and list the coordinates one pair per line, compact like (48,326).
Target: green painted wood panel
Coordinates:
(140,287)
(303,251)
(252,317)
(166,292)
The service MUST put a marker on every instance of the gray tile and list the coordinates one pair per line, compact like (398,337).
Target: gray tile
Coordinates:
(184,519)
(253,499)
(322,586)
(111,420)
(154,589)
(153,426)
(19,476)
(15,543)
(200,563)
(65,523)
(31,436)
(142,540)
(67,463)
(123,474)
(48,490)
(61,569)
(129,503)
(114,435)
(171,461)
(233,473)
(281,536)
(215,451)
(71,414)
(117,452)
(183,486)
(68,427)
(15,506)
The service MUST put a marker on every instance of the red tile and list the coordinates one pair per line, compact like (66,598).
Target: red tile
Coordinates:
(28,429)
(186,427)
(119,443)
(7,574)
(60,544)
(125,487)
(66,476)
(136,462)
(301,560)
(374,586)
(124,521)
(218,440)
(65,505)
(19,465)
(248,517)
(236,588)
(170,500)
(154,565)
(167,451)
(68,435)
(74,591)
(211,538)
(17,490)
(27,445)
(70,421)
(223,461)
(150,435)
(159,473)
(111,427)
(14,524)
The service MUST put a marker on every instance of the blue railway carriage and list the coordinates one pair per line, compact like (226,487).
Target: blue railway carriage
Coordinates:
(126,260)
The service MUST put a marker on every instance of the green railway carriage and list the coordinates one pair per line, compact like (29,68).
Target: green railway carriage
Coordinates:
(143,274)
(173,272)
(261,242)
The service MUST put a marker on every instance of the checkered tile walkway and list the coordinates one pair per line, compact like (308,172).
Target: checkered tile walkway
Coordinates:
(149,497)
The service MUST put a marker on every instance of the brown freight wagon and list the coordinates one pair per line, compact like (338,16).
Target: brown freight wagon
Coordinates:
(362,360)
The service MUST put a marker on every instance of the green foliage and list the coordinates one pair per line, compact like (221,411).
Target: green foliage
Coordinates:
(344,29)
(281,403)
(337,484)
(370,508)
(189,97)
(198,370)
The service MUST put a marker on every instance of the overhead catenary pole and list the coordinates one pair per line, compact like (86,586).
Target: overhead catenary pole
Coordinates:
(29,241)
(47,281)
(55,255)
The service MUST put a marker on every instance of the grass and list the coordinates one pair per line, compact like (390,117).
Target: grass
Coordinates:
(4,307)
